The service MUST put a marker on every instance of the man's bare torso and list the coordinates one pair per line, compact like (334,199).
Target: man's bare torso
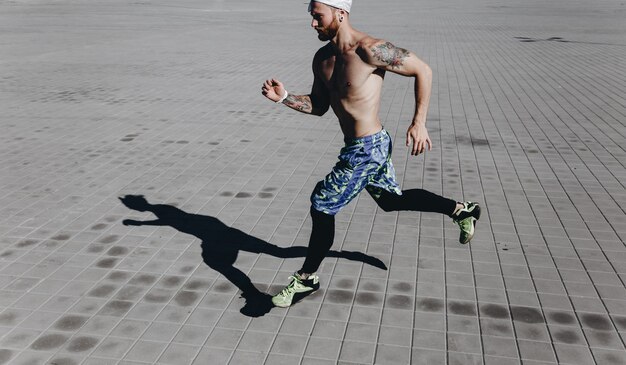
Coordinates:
(353,86)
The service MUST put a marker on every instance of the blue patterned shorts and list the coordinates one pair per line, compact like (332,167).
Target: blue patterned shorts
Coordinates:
(364,163)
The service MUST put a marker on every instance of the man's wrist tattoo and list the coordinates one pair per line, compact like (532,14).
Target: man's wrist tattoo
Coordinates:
(299,102)
(390,54)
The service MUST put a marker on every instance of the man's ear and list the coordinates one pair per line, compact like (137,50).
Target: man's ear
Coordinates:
(342,14)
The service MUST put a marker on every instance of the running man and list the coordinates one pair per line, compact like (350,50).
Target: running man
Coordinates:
(348,77)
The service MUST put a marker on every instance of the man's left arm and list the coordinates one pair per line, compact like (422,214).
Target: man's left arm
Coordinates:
(398,60)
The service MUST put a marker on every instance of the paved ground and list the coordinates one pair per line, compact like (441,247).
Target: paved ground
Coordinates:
(101,100)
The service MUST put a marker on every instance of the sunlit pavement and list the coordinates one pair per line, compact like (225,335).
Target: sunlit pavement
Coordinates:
(107,100)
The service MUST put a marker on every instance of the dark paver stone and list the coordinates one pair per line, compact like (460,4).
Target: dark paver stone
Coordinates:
(117,251)
(567,336)
(172,281)
(106,263)
(562,317)
(116,308)
(339,296)
(186,298)
(62,361)
(224,287)
(400,301)
(197,284)
(49,342)
(526,314)
(109,239)
(403,287)
(5,356)
(95,248)
(494,311)
(372,287)
(143,279)
(99,226)
(26,243)
(158,296)
(82,343)
(368,299)
(102,291)
(430,305)
(345,283)
(596,321)
(70,323)
(620,322)
(8,318)
(130,292)
(462,308)
(118,276)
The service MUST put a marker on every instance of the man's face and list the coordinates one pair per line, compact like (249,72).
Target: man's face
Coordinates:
(324,21)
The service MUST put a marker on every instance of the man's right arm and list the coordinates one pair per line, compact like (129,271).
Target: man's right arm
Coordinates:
(315,103)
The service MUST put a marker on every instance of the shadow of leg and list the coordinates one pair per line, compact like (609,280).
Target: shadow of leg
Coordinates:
(257,303)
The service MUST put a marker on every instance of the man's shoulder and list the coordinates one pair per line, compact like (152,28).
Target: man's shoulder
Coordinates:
(366,48)
(368,43)
(324,52)
(322,55)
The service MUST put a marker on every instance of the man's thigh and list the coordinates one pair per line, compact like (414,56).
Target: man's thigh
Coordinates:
(338,188)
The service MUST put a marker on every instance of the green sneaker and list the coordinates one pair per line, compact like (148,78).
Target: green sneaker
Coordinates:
(466,218)
(285,297)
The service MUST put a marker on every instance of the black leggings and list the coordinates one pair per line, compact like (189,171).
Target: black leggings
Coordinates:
(323,232)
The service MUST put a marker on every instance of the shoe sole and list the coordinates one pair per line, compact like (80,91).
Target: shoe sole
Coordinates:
(281,305)
(296,297)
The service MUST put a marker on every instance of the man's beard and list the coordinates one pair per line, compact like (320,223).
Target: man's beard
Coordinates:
(329,33)
(324,36)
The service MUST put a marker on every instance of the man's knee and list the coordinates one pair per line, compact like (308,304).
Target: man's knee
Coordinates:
(323,232)
(320,217)
(387,201)
(384,204)
(321,205)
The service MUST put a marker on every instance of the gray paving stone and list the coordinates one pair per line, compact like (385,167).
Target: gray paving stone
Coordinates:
(463,358)
(608,356)
(101,101)
(217,355)
(533,350)
(501,360)
(323,348)
(145,351)
(359,352)
(178,354)
(569,354)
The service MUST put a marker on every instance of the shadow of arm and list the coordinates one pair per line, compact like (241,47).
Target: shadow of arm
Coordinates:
(132,222)
(358,256)
(300,251)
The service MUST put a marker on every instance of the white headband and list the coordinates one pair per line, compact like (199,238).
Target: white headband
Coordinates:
(339,4)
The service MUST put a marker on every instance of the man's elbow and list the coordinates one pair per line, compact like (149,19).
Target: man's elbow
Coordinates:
(320,110)
(319,106)
(425,73)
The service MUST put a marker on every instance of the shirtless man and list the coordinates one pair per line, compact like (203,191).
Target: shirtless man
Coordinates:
(348,77)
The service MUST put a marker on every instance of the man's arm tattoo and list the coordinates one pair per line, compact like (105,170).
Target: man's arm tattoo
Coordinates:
(299,102)
(390,54)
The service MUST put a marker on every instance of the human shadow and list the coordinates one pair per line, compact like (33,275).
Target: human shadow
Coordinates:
(221,245)
(561,40)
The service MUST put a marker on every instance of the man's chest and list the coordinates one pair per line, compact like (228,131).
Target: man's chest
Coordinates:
(345,74)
